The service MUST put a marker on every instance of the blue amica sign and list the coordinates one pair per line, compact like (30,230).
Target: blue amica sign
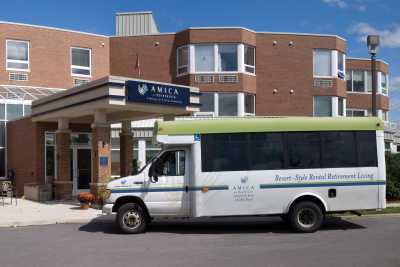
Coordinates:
(156,93)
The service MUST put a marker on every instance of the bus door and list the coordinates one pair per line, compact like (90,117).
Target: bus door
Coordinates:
(169,189)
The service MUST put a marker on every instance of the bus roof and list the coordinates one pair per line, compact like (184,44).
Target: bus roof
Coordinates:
(267,124)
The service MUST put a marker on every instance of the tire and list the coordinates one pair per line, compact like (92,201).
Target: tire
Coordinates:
(306,217)
(131,218)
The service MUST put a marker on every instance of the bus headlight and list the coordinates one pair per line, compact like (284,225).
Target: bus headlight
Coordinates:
(106,194)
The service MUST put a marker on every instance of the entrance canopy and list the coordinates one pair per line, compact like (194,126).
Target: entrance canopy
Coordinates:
(118,99)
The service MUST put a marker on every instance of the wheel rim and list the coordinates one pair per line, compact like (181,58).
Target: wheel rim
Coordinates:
(306,217)
(132,219)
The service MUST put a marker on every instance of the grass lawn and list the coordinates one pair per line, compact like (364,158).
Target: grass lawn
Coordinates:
(367,212)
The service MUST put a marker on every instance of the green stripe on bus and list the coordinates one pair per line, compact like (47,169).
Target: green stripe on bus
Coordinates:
(272,124)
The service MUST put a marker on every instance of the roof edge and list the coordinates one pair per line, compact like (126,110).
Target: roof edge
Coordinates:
(262,32)
(53,28)
(366,59)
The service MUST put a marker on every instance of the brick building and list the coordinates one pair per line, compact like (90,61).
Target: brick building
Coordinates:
(240,72)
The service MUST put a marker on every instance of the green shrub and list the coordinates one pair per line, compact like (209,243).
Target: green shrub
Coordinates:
(393,176)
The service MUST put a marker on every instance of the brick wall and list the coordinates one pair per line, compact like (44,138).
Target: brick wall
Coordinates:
(49,52)
(26,149)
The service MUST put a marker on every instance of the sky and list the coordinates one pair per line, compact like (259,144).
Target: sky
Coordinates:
(351,19)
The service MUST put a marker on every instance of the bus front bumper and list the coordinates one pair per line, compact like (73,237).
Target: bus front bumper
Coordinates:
(107,209)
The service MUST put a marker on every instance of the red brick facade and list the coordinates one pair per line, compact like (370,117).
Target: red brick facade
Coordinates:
(50,56)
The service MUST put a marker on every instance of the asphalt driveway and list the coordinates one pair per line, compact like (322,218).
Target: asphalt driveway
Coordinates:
(365,241)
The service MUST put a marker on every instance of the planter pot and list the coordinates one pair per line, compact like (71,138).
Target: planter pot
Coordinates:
(84,206)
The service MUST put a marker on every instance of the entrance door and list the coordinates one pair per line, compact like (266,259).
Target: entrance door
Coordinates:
(81,169)
(84,168)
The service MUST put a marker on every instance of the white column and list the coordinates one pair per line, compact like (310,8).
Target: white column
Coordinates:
(192,67)
(240,104)
(335,104)
(334,62)
(216,57)
(365,81)
(344,66)
(142,152)
(379,82)
(216,105)
(344,107)
(240,59)
(379,114)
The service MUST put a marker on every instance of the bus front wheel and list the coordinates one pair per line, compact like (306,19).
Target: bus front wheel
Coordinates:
(131,218)
(306,217)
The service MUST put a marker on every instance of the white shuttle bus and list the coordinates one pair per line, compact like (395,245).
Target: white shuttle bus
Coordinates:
(298,168)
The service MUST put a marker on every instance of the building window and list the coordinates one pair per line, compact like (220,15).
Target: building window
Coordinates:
(356,113)
(204,58)
(349,81)
(207,102)
(249,59)
(182,60)
(387,146)
(17,55)
(249,104)
(341,64)
(384,83)
(322,106)
(340,106)
(358,81)
(227,57)
(322,65)
(227,104)
(14,111)
(50,157)
(369,81)
(80,61)
(385,115)
(152,149)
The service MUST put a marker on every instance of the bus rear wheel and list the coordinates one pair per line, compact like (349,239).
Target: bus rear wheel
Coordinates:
(131,218)
(306,217)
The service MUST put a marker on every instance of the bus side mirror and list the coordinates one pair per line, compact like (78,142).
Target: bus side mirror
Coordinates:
(152,174)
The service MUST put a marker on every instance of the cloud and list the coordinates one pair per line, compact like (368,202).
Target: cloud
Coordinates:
(389,37)
(337,3)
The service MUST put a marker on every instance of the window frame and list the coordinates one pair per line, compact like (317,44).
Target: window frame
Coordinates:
(314,51)
(254,105)
(81,67)
(331,98)
(214,58)
(386,88)
(244,60)
(218,67)
(341,73)
(187,66)
(356,109)
(15,60)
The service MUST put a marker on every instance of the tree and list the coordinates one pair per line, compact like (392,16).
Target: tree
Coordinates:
(392,176)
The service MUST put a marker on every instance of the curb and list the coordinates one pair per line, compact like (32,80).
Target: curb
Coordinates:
(48,222)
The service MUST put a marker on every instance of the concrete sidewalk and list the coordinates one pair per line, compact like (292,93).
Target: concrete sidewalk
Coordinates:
(35,213)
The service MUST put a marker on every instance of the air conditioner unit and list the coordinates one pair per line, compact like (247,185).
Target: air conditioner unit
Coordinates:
(15,76)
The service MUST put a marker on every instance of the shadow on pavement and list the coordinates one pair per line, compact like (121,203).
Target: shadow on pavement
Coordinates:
(106,224)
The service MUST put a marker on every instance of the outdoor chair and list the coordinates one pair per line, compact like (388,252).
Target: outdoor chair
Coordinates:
(7,190)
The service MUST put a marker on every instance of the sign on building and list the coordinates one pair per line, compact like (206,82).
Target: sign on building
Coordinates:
(155,93)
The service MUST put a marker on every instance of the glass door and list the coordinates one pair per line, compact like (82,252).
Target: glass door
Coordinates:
(84,168)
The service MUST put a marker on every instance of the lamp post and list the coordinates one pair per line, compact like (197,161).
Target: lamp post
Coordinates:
(373,43)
